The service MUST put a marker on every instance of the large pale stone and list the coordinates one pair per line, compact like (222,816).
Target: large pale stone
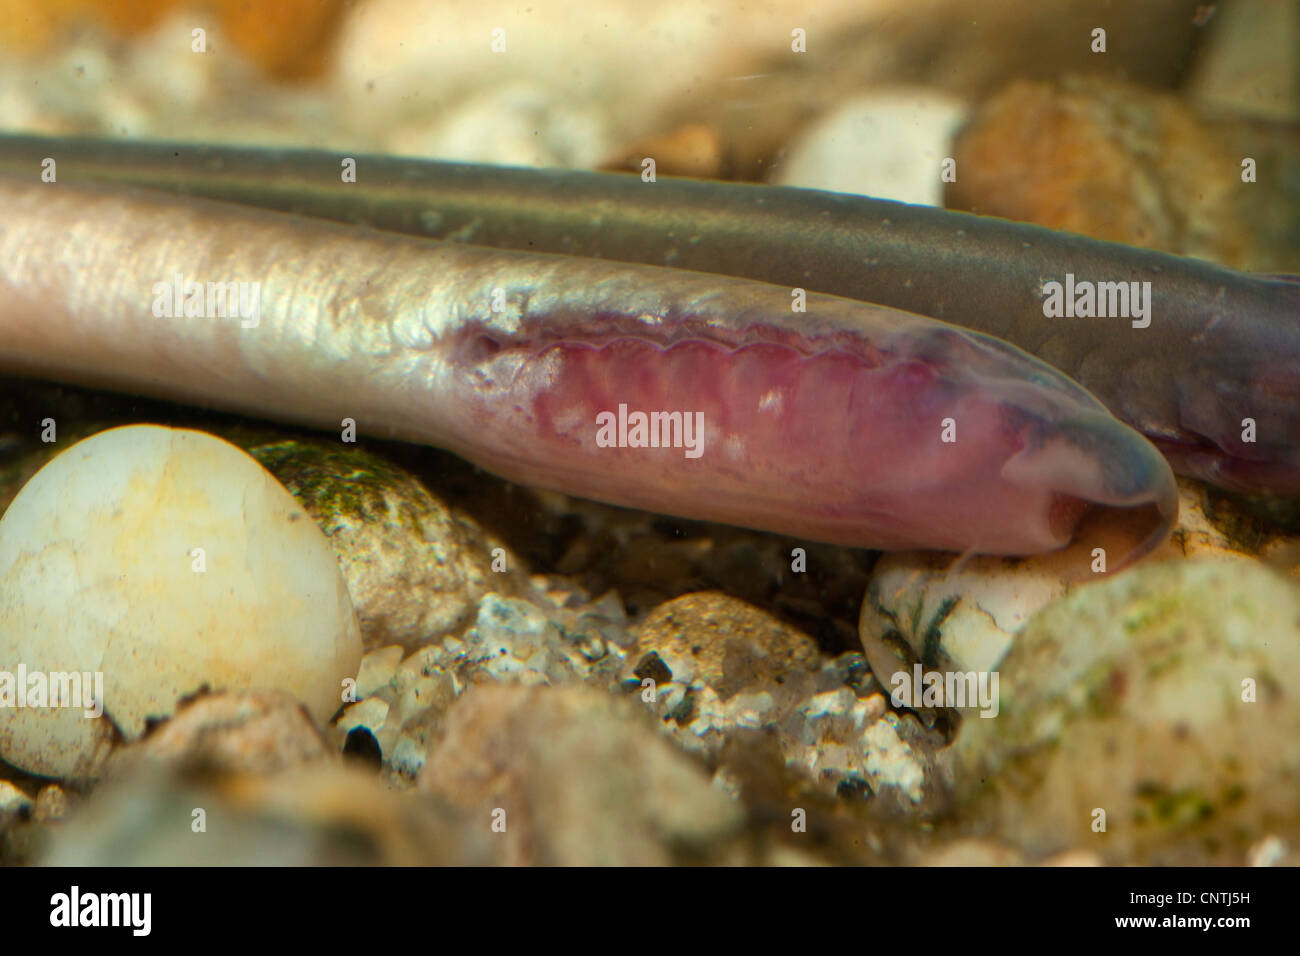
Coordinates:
(165,560)
(1150,718)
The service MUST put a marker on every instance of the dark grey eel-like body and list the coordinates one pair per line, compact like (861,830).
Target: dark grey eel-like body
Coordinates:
(1214,379)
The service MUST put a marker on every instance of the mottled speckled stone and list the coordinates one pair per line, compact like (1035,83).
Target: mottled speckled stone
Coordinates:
(251,733)
(581,776)
(51,803)
(415,567)
(318,814)
(724,643)
(1127,697)
(723,667)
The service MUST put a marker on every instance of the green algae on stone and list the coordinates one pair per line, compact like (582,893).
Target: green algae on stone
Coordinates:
(1129,696)
(416,567)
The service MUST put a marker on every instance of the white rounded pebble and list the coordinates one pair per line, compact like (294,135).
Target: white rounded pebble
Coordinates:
(889,143)
(13,800)
(954,618)
(377,669)
(164,560)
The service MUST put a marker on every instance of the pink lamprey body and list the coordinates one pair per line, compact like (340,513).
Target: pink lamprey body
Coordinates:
(683,393)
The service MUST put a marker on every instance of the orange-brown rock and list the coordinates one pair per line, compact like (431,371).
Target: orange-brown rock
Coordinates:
(1119,162)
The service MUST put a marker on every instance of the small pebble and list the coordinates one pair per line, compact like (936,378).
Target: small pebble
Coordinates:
(574,777)
(370,714)
(13,800)
(51,803)
(889,144)
(377,669)
(718,641)
(248,733)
